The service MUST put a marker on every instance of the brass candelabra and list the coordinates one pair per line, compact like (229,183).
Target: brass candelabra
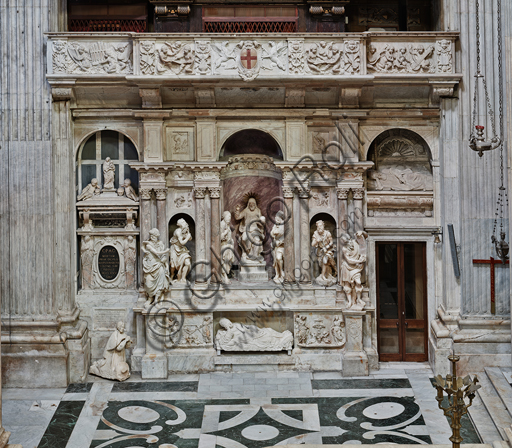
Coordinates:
(457,389)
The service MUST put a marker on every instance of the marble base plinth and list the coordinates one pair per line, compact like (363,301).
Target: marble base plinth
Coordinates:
(253,273)
(355,364)
(154,367)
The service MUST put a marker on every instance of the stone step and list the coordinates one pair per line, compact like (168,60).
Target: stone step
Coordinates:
(502,386)
(493,403)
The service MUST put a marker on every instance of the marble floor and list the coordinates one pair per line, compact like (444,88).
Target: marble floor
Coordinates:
(234,410)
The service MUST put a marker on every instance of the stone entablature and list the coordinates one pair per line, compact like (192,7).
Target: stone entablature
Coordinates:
(250,56)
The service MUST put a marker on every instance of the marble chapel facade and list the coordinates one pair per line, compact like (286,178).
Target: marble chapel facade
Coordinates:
(337,143)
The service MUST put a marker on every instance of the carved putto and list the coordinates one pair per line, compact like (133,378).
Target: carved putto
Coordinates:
(239,337)
(353,264)
(181,260)
(251,230)
(401,58)
(129,191)
(227,248)
(323,242)
(89,191)
(113,366)
(334,58)
(277,235)
(176,57)
(155,268)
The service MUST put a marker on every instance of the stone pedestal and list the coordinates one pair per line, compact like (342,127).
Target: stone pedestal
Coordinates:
(253,273)
(154,367)
(355,360)
(154,362)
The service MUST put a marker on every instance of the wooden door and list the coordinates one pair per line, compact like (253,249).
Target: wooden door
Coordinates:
(402,301)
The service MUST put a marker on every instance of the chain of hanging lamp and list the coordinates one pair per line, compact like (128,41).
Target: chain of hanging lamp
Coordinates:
(500,244)
(477,141)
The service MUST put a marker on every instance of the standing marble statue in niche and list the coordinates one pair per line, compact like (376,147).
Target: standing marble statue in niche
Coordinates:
(239,337)
(354,261)
(322,240)
(154,265)
(113,366)
(129,191)
(109,174)
(252,231)
(227,248)
(89,191)
(181,259)
(277,235)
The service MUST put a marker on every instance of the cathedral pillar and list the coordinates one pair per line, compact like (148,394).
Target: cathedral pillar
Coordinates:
(358,209)
(145,213)
(305,262)
(161,218)
(289,250)
(342,222)
(200,270)
(215,233)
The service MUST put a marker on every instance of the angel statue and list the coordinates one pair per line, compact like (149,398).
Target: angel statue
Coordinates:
(354,261)
(155,268)
(251,229)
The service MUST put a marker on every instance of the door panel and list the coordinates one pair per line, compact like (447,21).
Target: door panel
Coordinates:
(401,301)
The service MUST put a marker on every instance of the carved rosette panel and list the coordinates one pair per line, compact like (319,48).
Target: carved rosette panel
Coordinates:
(98,281)
(97,57)
(315,330)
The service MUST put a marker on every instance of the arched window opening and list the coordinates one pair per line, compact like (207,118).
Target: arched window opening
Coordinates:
(251,141)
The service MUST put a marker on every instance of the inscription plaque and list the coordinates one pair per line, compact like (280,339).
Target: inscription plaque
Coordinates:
(108,262)
(106,319)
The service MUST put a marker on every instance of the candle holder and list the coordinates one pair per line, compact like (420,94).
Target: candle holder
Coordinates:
(457,389)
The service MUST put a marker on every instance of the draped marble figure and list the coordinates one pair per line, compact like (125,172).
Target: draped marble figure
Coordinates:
(154,265)
(277,235)
(181,259)
(238,337)
(89,191)
(252,231)
(109,173)
(129,191)
(113,366)
(354,261)
(227,248)
(323,242)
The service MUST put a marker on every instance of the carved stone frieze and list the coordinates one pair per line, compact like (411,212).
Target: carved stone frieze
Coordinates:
(333,58)
(401,202)
(320,331)
(175,57)
(97,57)
(147,57)
(203,57)
(296,56)
(207,175)
(193,331)
(182,200)
(152,177)
(252,163)
(444,56)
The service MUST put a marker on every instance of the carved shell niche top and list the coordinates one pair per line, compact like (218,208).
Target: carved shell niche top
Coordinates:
(396,147)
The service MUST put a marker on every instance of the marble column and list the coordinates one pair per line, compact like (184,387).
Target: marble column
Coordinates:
(215,233)
(289,250)
(200,270)
(161,215)
(305,260)
(358,195)
(342,222)
(145,213)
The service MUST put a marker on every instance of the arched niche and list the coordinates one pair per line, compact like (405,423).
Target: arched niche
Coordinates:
(330,225)
(251,141)
(402,162)
(173,225)
(96,148)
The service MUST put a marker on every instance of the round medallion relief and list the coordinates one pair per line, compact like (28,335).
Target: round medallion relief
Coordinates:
(108,262)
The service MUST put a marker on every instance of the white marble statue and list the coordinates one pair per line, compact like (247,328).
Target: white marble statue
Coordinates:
(113,366)
(322,241)
(401,178)
(109,173)
(354,261)
(120,191)
(129,191)
(180,255)
(338,331)
(89,191)
(239,337)
(277,235)
(154,265)
(252,231)
(227,248)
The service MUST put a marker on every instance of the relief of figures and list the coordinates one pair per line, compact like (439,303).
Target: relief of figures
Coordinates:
(353,264)
(329,58)
(323,242)
(176,57)
(239,337)
(227,248)
(181,260)
(251,230)
(155,268)
(401,58)
(401,178)
(321,331)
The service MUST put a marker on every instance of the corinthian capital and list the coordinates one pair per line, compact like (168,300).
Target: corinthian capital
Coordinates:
(199,192)
(214,192)
(145,193)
